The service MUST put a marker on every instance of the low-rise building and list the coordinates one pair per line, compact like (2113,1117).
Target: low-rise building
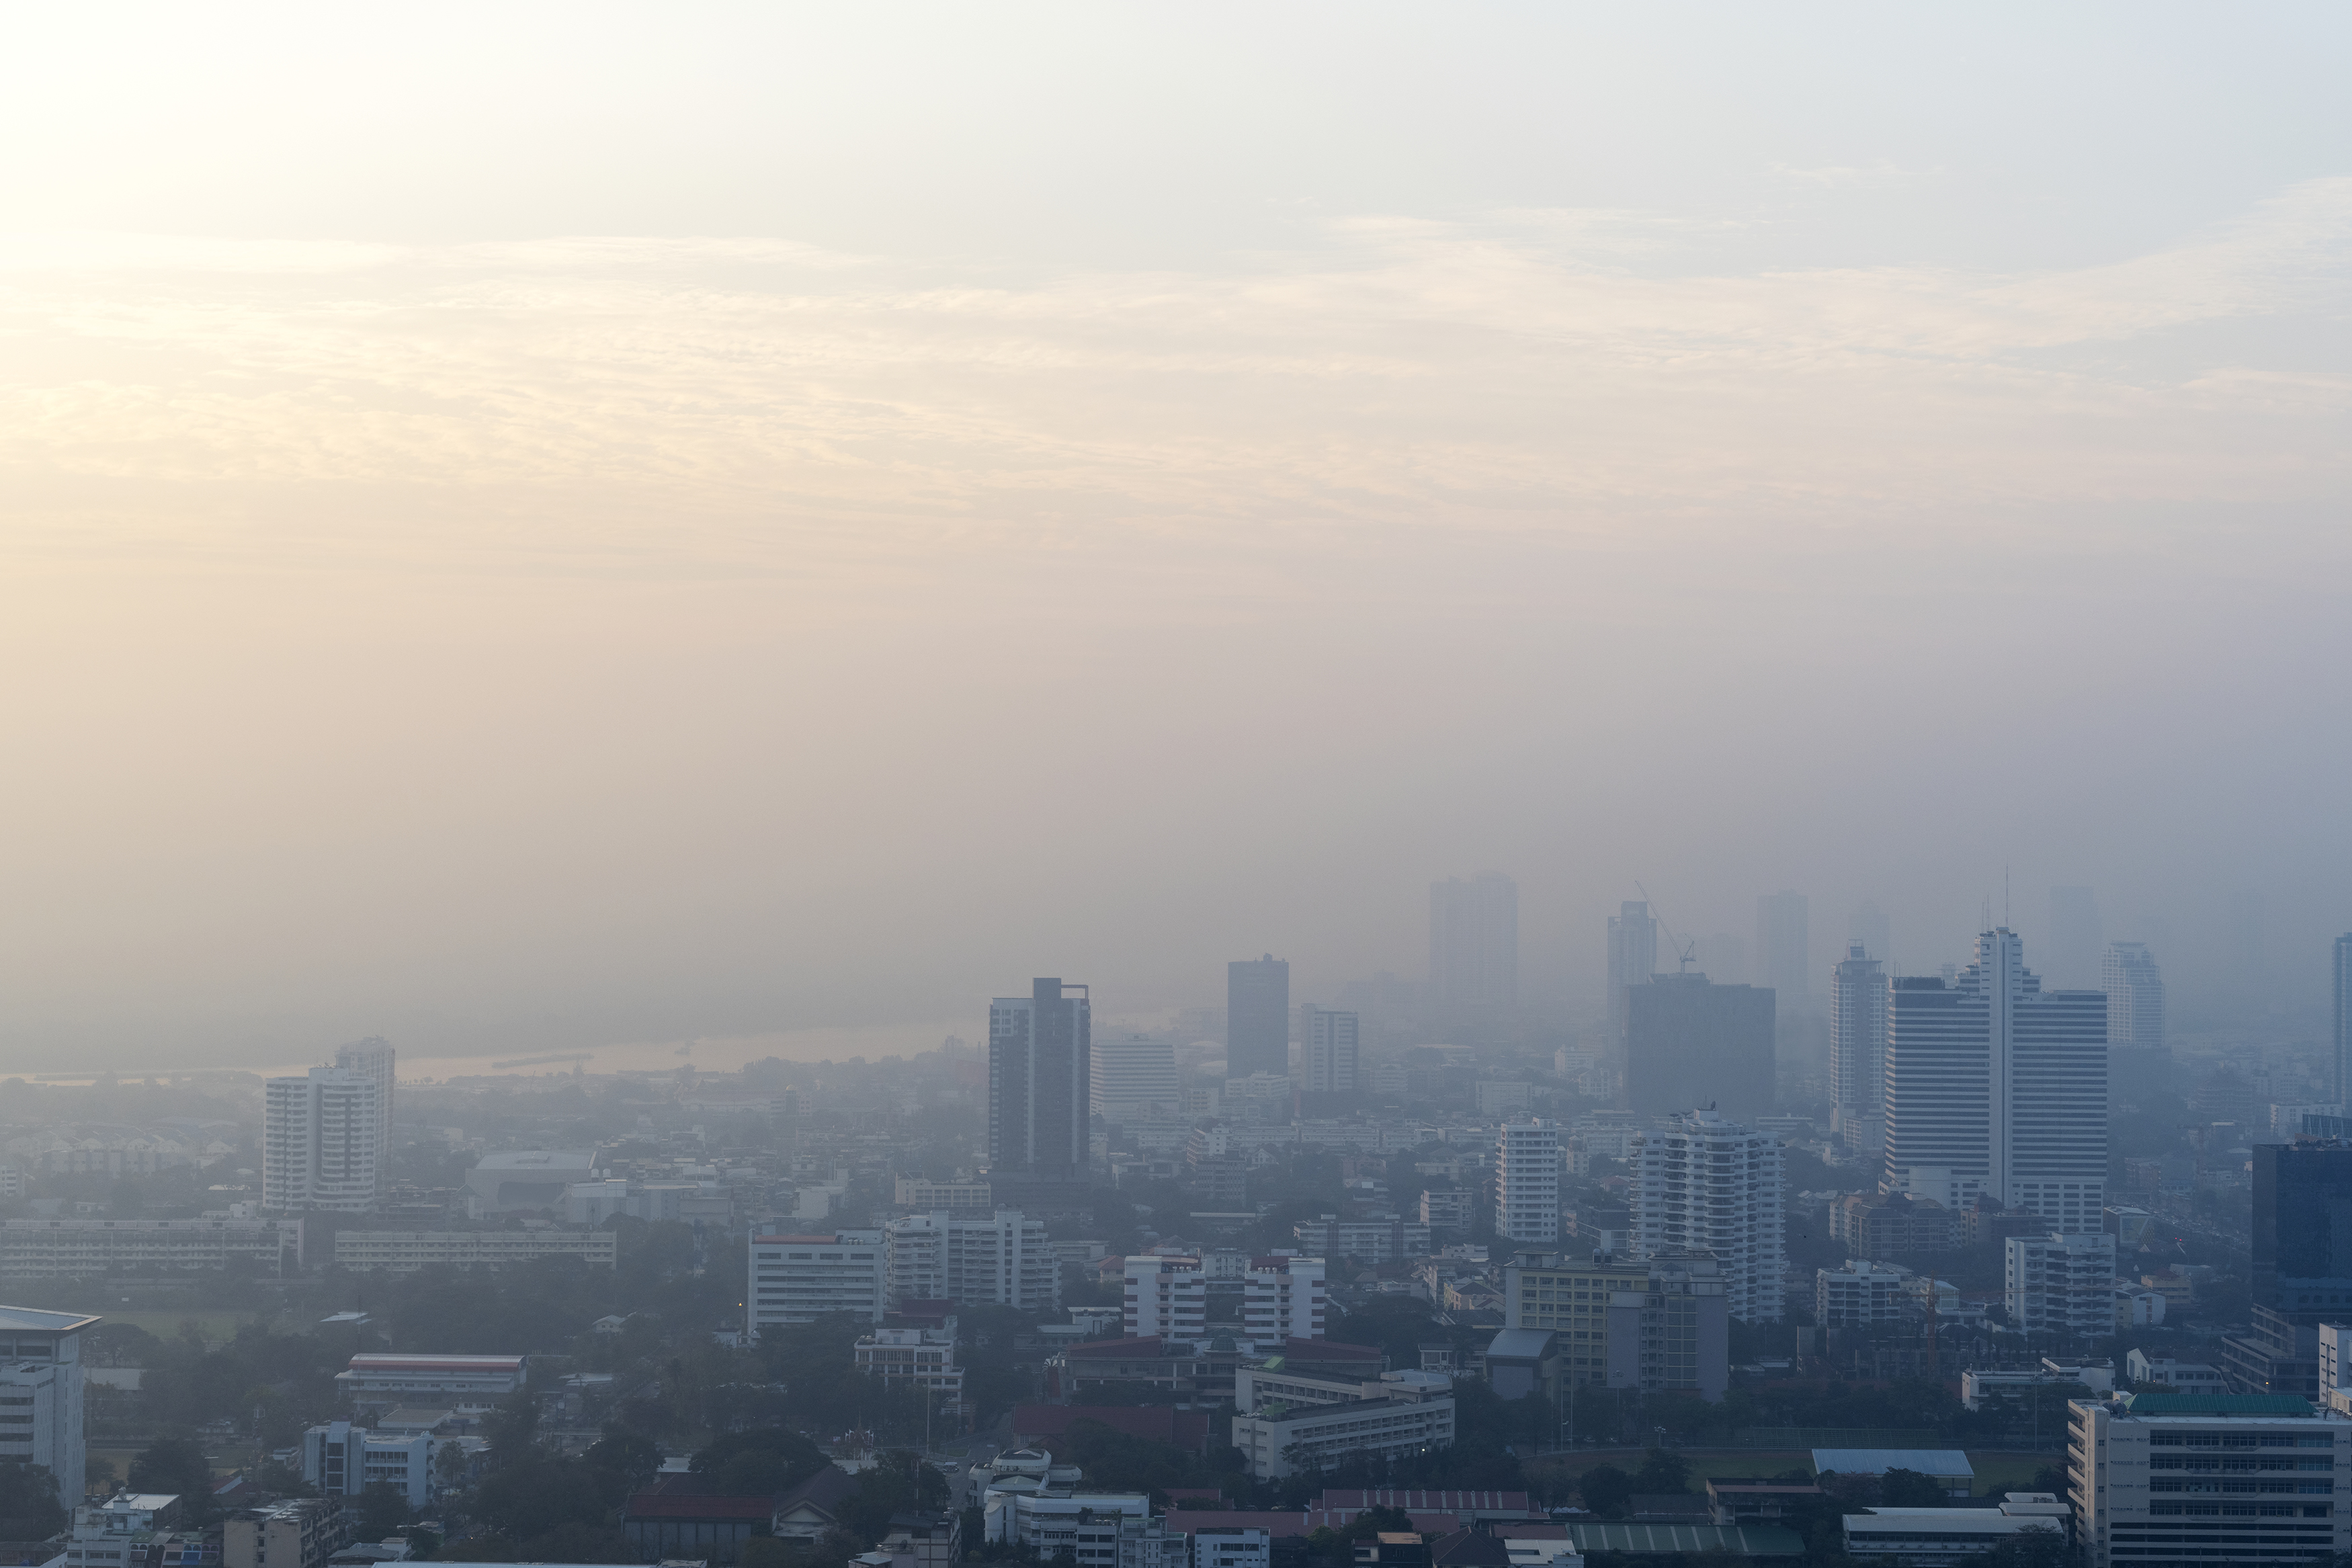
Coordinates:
(73,1249)
(129,1529)
(918,1193)
(1446,1208)
(1231,1546)
(1946,1537)
(344,1460)
(1978,1385)
(1744,1499)
(1101,1530)
(2180,1376)
(300,1534)
(920,1358)
(1285,1422)
(1373,1238)
(799,1278)
(1894,1224)
(458,1383)
(406,1251)
(1863,1295)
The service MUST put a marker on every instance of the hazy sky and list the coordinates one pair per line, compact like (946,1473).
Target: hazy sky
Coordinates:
(544,526)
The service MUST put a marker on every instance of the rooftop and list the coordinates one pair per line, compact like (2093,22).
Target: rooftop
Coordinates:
(2217,1405)
(33,1319)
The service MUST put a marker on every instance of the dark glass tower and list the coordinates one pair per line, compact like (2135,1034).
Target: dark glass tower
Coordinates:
(1040,1050)
(2302,1228)
(1257,1017)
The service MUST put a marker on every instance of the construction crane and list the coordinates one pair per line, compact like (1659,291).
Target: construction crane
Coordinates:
(1685,953)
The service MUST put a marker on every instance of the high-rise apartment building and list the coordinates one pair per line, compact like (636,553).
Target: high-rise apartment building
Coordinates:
(1996,1087)
(1633,958)
(2341,1036)
(2135,988)
(1526,1183)
(799,1278)
(1284,1297)
(372,1058)
(1003,1260)
(1040,1088)
(1329,1059)
(1473,944)
(2077,939)
(1858,1051)
(1784,923)
(319,1145)
(2062,1282)
(1706,1183)
(1257,1017)
(1689,1041)
(1135,1079)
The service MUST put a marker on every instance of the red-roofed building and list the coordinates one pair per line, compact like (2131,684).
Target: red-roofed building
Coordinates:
(1037,1425)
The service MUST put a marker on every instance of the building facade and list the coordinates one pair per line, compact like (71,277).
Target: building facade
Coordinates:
(1998,1088)
(1003,1260)
(1257,1017)
(1403,1413)
(2167,1479)
(1134,1079)
(1473,944)
(1706,1183)
(384,1381)
(1284,1297)
(2064,1282)
(799,1278)
(1863,1295)
(1526,1183)
(344,1460)
(1687,1037)
(1633,958)
(374,1058)
(1167,1297)
(2135,988)
(1858,1051)
(920,1358)
(1328,1057)
(70,1248)
(319,1145)
(41,1380)
(1660,1323)
(1040,1081)
(406,1251)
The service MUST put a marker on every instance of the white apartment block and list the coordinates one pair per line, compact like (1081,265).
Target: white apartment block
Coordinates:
(799,1278)
(1004,1260)
(2226,1485)
(372,1058)
(41,1382)
(1706,1183)
(406,1251)
(70,1248)
(1284,1298)
(1526,1183)
(321,1142)
(1863,1295)
(1328,1057)
(1167,1297)
(2062,1282)
(1135,1076)
(1448,1210)
(924,1358)
(1100,1530)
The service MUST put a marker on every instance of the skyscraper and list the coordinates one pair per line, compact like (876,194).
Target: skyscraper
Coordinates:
(2302,1228)
(2342,1037)
(1040,1051)
(1687,1040)
(1707,1182)
(1997,1087)
(2135,988)
(372,1058)
(319,1147)
(1135,1078)
(1633,958)
(1527,1182)
(1327,1051)
(1783,945)
(1858,1050)
(2076,938)
(1257,1017)
(1473,944)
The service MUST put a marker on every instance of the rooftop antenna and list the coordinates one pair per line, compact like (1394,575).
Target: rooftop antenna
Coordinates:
(1685,952)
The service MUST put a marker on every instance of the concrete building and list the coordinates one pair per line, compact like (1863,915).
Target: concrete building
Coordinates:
(1526,1183)
(1660,1323)
(525,1181)
(920,1358)
(799,1278)
(1503,1097)
(319,1142)
(1134,1079)
(344,1460)
(2064,1282)
(1861,1295)
(72,1249)
(2302,1250)
(1858,1051)
(301,1533)
(1040,1083)
(1167,1297)
(384,1380)
(1946,1537)
(135,1529)
(1633,959)
(41,1377)
(1231,1546)
(1284,1297)
(1368,1239)
(1004,1260)
(1706,1183)
(1474,945)
(1285,1423)
(1449,1210)
(1685,1037)
(406,1251)
(1101,1530)
(1893,1224)
(1257,1017)
(1569,1295)
(2135,988)
(374,1058)
(2188,1376)
(2171,1477)
(698,1203)
(1996,1088)
(1328,1057)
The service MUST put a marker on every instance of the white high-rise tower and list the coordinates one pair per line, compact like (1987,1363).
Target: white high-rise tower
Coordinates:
(319,1147)
(1997,1087)
(1527,1182)
(372,1058)
(1328,1055)
(1706,1182)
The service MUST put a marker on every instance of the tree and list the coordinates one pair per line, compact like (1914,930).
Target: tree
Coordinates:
(29,1510)
(382,1509)
(1909,1489)
(2033,1549)
(1661,1472)
(177,1466)
(1606,1490)
(511,1429)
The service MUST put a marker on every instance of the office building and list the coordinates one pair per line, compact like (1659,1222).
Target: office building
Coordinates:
(1328,1055)
(2064,1282)
(1861,1295)
(799,1278)
(1688,1040)
(384,1380)
(1257,1017)
(2340,1031)
(1633,958)
(1284,1422)
(1232,1546)
(1473,944)
(406,1251)
(1003,1260)
(1134,1079)
(1167,1297)
(1378,1238)
(319,1142)
(2077,939)
(1040,1054)
(373,1059)
(342,1461)
(1706,1183)
(1858,1051)
(2302,1240)
(41,1378)
(1784,964)
(74,1249)
(1284,1298)
(2182,1479)
(1998,1088)
(1526,1183)
(2135,988)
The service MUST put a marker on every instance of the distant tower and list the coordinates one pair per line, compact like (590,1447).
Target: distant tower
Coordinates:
(1783,931)
(1473,944)
(319,1147)
(2077,939)
(1633,958)
(1858,1050)
(1257,1017)
(2135,988)
(372,1058)
(1527,1182)
(2341,1038)
(1686,1038)
(1040,1061)
(1328,1053)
